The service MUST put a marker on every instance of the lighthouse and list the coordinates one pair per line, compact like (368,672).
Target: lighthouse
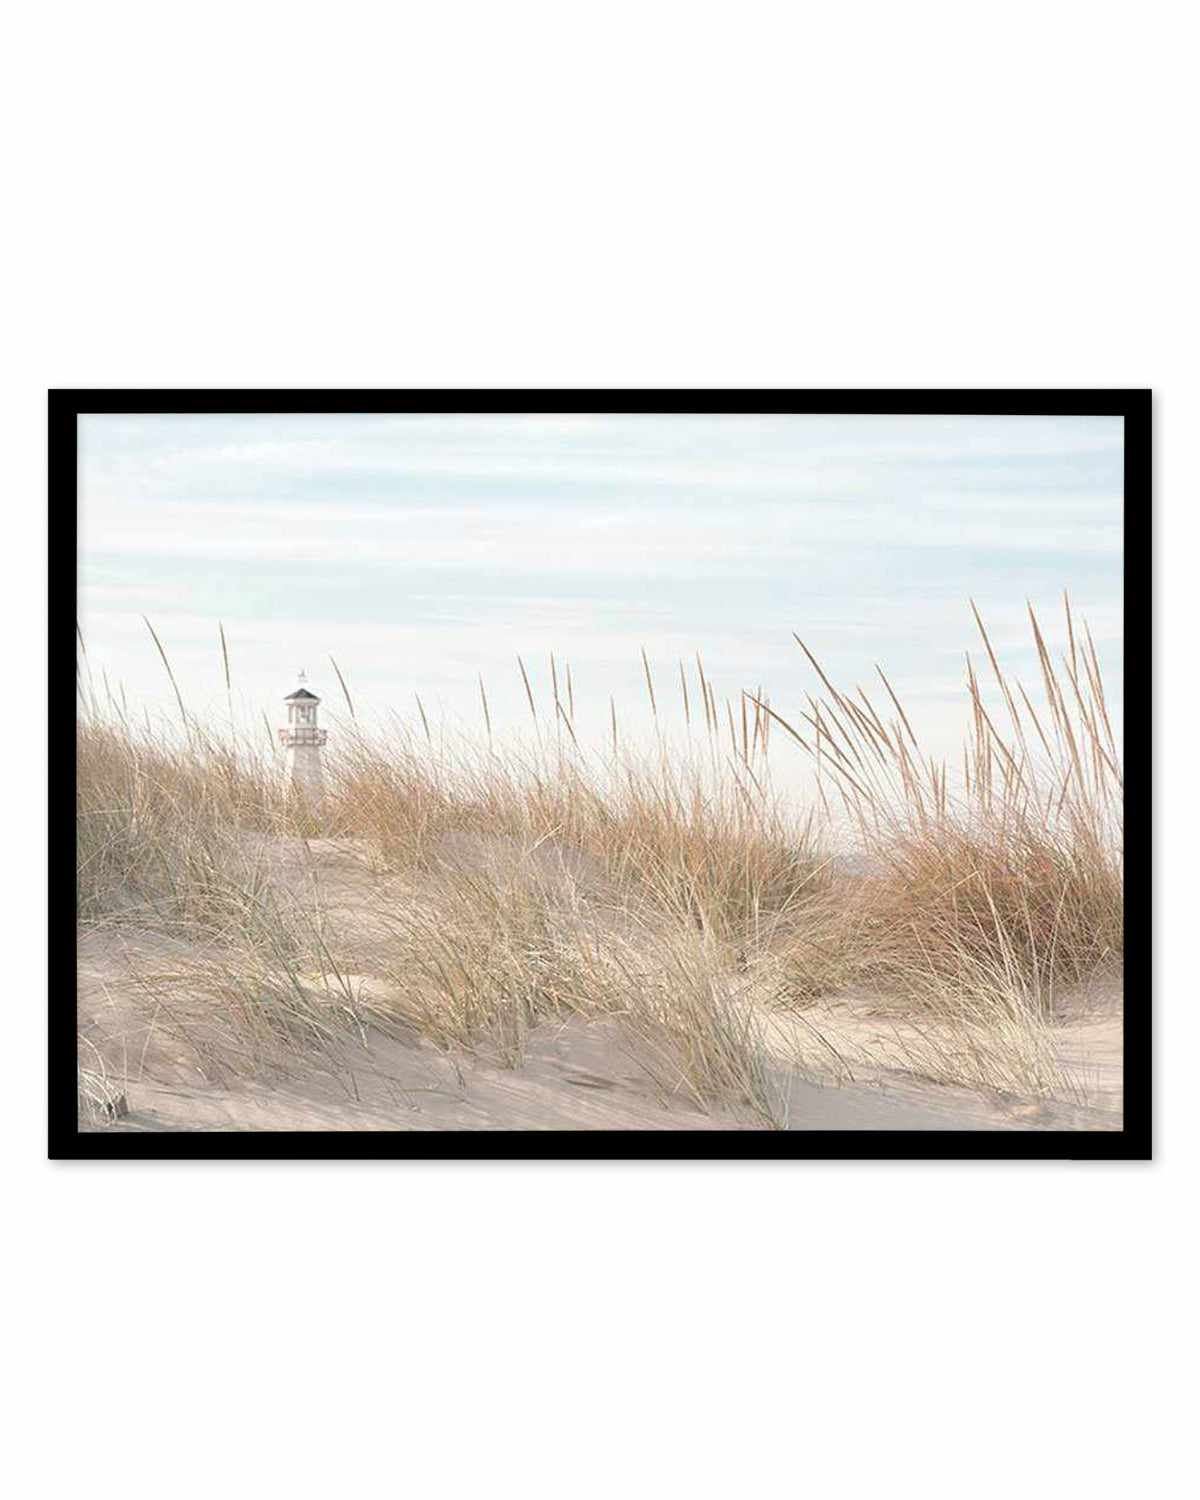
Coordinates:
(302,741)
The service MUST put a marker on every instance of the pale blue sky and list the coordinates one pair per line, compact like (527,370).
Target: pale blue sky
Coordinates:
(421,551)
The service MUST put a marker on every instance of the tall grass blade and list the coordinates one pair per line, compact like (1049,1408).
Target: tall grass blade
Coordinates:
(345,689)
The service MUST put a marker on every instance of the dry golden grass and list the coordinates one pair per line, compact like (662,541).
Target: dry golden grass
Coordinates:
(997,891)
(677,894)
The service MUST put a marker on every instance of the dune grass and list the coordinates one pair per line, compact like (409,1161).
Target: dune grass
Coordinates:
(675,894)
(990,891)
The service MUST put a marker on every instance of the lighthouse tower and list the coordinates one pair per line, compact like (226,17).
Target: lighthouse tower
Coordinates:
(302,741)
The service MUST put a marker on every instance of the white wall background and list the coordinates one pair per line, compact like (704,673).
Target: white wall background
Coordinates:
(513,195)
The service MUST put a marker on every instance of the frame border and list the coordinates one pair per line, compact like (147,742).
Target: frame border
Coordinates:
(65,1141)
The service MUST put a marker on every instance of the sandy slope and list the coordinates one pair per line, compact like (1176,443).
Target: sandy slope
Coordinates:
(577,1075)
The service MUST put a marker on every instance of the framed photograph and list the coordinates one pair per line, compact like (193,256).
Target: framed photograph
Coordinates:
(599,774)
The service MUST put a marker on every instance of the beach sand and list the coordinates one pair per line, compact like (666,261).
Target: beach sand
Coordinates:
(156,1056)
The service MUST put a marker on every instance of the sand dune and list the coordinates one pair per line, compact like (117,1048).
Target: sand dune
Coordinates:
(153,1041)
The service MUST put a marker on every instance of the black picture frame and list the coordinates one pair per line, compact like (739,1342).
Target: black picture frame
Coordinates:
(1132,1143)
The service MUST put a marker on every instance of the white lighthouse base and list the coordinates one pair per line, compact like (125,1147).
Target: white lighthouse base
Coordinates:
(304,774)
